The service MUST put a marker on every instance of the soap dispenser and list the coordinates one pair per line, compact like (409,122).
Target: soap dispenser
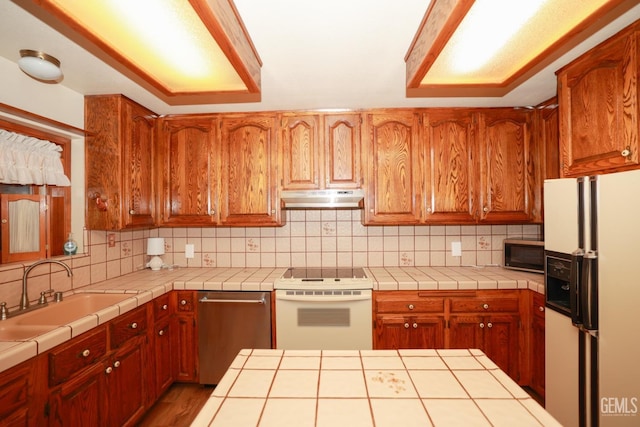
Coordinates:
(70,246)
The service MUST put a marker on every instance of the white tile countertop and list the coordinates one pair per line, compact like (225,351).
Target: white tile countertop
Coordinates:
(145,285)
(368,388)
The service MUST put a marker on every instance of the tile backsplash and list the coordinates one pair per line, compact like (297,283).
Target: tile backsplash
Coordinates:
(310,238)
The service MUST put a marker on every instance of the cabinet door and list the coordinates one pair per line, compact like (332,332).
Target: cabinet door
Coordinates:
(189,180)
(598,101)
(23,222)
(392,332)
(428,331)
(119,151)
(466,332)
(501,343)
(537,354)
(81,401)
(342,161)
(163,356)
(393,169)
(127,383)
(138,169)
(300,152)
(185,348)
(507,166)
(450,168)
(249,171)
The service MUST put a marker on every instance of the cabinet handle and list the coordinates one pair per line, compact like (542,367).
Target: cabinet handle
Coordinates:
(212,212)
(86,353)
(489,325)
(485,209)
(4,220)
(134,325)
(429,210)
(161,332)
(410,307)
(626,152)
(108,370)
(132,212)
(164,306)
(541,308)
(485,306)
(183,302)
(116,364)
(481,325)
(415,326)
(406,326)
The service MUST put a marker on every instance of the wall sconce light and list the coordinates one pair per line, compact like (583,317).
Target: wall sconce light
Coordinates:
(155,247)
(40,66)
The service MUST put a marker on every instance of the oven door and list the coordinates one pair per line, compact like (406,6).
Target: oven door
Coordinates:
(323,320)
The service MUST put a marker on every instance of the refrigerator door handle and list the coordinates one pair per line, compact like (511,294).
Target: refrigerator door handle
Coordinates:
(589,292)
(575,286)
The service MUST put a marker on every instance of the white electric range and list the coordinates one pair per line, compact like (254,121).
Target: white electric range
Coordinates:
(324,308)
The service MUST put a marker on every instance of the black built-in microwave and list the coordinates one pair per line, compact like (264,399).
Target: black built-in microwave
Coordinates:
(524,254)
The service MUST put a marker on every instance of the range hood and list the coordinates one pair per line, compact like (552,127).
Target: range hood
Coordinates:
(322,199)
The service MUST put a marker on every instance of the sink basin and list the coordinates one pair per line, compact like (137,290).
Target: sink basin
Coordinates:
(22,332)
(71,308)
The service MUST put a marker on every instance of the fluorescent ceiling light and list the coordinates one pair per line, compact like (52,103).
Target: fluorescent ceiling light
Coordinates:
(492,43)
(178,46)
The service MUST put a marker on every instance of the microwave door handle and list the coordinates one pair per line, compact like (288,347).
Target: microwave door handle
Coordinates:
(589,292)
(575,281)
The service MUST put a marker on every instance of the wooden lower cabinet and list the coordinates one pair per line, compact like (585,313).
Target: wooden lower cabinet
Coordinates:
(537,353)
(398,331)
(498,336)
(185,338)
(81,401)
(486,320)
(20,401)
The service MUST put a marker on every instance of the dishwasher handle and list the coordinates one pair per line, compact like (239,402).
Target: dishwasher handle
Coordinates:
(235,301)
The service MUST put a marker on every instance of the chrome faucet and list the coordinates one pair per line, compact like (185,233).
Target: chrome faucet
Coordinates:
(24,300)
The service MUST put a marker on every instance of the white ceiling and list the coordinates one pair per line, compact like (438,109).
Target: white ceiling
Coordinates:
(330,54)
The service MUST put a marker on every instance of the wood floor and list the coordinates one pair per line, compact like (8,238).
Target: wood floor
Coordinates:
(177,407)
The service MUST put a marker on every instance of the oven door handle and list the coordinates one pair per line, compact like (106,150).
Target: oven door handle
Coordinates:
(323,298)
(235,301)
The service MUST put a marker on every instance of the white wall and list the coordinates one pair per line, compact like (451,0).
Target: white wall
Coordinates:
(54,102)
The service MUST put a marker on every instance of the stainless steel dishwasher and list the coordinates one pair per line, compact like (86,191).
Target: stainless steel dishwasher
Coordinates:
(227,323)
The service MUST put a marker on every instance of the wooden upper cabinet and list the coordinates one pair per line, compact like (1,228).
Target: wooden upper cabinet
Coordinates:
(450,170)
(598,102)
(507,166)
(119,150)
(342,150)
(248,194)
(393,168)
(320,151)
(301,152)
(187,162)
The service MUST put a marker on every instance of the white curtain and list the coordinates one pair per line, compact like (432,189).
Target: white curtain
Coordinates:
(24,226)
(27,160)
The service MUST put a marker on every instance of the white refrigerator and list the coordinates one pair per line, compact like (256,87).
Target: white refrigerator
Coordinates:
(593,347)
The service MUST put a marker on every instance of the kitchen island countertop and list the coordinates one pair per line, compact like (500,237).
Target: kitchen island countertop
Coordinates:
(368,388)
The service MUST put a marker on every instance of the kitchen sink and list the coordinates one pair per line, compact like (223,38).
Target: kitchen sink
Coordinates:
(15,332)
(71,308)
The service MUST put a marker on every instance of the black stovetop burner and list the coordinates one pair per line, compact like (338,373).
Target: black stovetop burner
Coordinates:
(324,273)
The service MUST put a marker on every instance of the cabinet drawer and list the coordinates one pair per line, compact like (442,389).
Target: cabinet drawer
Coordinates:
(186,301)
(127,326)
(485,305)
(161,307)
(66,360)
(413,305)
